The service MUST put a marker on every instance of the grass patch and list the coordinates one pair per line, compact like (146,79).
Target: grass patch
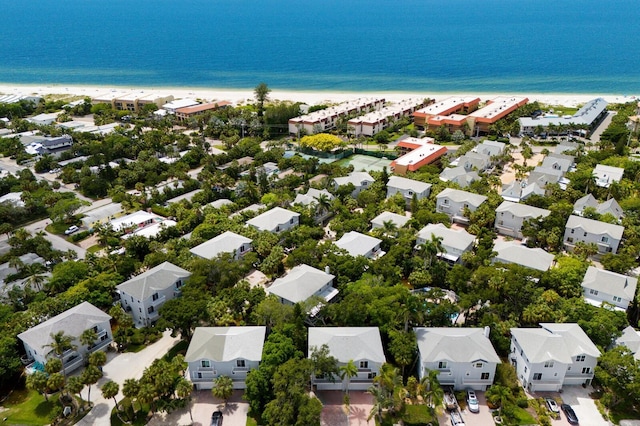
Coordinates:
(251,421)
(523,417)
(27,407)
(416,415)
(141,416)
(95,248)
(177,349)
(57,228)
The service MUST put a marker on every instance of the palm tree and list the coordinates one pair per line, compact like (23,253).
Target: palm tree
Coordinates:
(38,382)
(348,371)
(498,395)
(429,250)
(223,388)
(431,391)
(60,343)
(130,389)
(110,390)
(183,390)
(88,337)
(146,395)
(380,402)
(390,228)
(75,385)
(90,376)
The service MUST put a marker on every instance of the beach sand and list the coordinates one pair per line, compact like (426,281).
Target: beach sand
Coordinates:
(243,96)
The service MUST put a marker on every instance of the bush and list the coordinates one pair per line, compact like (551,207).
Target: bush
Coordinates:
(137,338)
(522,402)
(78,236)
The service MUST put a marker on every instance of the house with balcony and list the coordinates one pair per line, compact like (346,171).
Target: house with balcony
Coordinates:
(516,253)
(408,188)
(396,219)
(600,286)
(517,191)
(357,244)
(275,220)
(143,295)
(312,198)
(459,175)
(606,175)
(72,322)
(301,283)
(553,356)
(510,217)
(610,206)
(227,242)
(361,345)
(223,351)
(454,243)
(360,181)
(463,357)
(605,236)
(454,203)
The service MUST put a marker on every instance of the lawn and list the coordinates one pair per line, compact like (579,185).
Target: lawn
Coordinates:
(28,408)
(524,417)
(141,416)
(57,228)
(412,415)
(178,348)
(95,248)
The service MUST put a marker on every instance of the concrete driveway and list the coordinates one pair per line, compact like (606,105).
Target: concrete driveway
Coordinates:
(584,406)
(482,418)
(334,411)
(203,404)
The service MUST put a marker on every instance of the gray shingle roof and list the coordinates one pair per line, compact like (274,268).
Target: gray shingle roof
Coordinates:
(462,196)
(271,219)
(554,342)
(408,184)
(357,244)
(522,210)
(312,196)
(631,339)
(513,252)
(356,178)
(460,240)
(227,242)
(577,341)
(595,226)
(221,344)
(349,343)
(302,282)
(455,345)
(610,283)
(72,322)
(153,280)
(398,219)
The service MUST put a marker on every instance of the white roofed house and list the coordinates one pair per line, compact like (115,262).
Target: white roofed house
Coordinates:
(553,356)
(605,236)
(454,243)
(459,175)
(600,286)
(360,180)
(227,242)
(313,197)
(73,322)
(143,295)
(631,339)
(408,188)
(510,217)
(453,203)
(275,220)
(514,252)
(357,244)
(361,345)
(610,206)
(301,283)
(397,220)
(519,191)
(223,351)
(463,357)
(606,175)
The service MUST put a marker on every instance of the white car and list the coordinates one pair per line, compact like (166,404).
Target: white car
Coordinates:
(70,230)
(552,405)
(472,402)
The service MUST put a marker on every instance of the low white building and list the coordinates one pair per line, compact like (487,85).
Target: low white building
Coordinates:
(275,220)
(360,180)
(357,244)
(459,175)
(301,283)
(630,338)
(454,202)
(516,253)
(606,175)
(510,217)
(397,219)
(408,188)
(600,286)
(227,242)
(553,356)
(223,351)
(454,243)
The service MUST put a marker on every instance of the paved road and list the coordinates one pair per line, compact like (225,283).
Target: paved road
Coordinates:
(57,242)
(120,367)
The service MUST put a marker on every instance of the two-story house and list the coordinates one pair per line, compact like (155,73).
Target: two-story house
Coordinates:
(519,191)
(227,242)
(357,244)
(360,181)
(223,351)
(73,322)
(550,357)
(459,175)
(454,243)
(144,294)
(606,175)
(630,338)
(361,345)
(398,220)
(463,357)
(510,217)
(275,220)
(313,198)
(610,206)
(408,188)
(301,283)
(605,236)
(600,286)
(516,253)
(454,203)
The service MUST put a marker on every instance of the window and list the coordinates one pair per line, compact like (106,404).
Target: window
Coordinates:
(585,234)
(291,221)
(617,299)
(478,365)
(525,369)
(364,364)
(445,202)
(150,309)
(205,363)
(199,375)
(484,376)
(605,239)
(179,284)
(537,376)
(573,230)
(410,193)
(548,364)
(240,363)
(371,375)
(580,358)
(586,370)
(594,292)
(155,297)
(442,365)
(500,222)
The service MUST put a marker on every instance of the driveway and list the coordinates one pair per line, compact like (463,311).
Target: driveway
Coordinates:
(202,405)
(118,368)
(334,412)
(584,406)
(482,418)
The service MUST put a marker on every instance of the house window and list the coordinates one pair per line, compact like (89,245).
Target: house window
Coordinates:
(580,358)
(291,221)
(605,239)
(371,375)
(548,364)
(586,370)
(500,222)
(199,375)
(573,230)
(179,284)
(410,193)
(478,365)
(150,309)
(525,369)
(594,292)
(484,376)
(570,240)
(240,363)
(617,299)
(465,206)
(442,365)
(155,297)
(445,202)
(364,364)
(205,363)
(537,376)
(585,234)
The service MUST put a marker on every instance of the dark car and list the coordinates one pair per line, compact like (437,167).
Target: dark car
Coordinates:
(571,415)
(216,418)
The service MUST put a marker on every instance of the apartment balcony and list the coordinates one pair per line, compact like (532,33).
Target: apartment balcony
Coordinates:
(100,344)
(159,301)
(201,375)
(242,371)
(152,316)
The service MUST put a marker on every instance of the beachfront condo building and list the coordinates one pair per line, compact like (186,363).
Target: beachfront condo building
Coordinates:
(496,109)
(376,121)
(326,119)
(134,102)
(449,109)
(584,120)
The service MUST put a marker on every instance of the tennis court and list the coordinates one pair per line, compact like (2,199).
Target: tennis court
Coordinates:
(369,164)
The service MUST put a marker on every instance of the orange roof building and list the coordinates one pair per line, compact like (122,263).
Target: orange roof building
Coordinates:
(495,109)
(445,107)
(417,153)
(190,111)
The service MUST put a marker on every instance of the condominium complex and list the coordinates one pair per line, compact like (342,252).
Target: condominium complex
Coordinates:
(376,121)
(326,119)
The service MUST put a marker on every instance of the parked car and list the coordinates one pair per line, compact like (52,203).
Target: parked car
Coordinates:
(216,418)
(472,402)
(552,405)
(571,415)
(70,230)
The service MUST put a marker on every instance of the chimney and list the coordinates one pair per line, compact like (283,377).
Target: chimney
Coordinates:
(327,270)
(487,331)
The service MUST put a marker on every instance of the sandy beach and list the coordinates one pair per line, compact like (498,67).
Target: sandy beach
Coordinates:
(240,96)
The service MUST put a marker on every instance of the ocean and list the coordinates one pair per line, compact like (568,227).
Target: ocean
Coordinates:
(520,46)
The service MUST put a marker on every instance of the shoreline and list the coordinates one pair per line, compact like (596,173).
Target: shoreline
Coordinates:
(241,96)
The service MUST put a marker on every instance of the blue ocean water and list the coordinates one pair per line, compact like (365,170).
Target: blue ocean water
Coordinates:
(578,46)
